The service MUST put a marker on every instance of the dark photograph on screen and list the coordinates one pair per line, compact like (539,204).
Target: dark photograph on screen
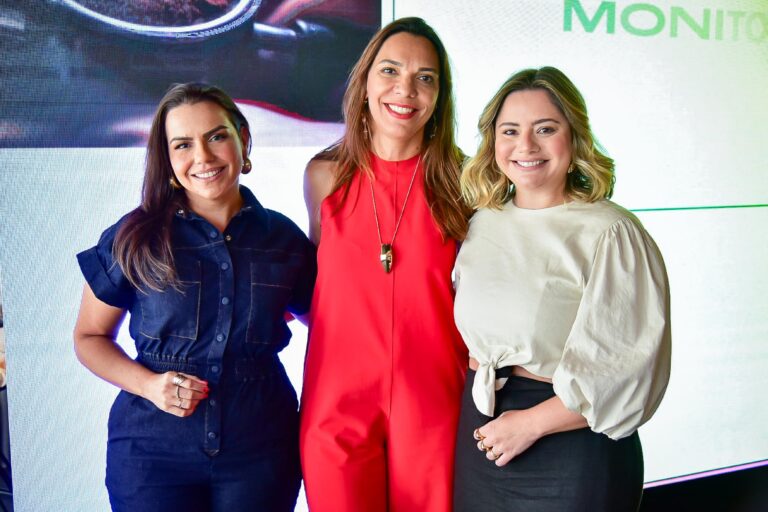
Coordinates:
(88,73)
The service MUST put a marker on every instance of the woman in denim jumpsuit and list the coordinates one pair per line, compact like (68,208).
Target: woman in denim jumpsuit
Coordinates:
(207,418)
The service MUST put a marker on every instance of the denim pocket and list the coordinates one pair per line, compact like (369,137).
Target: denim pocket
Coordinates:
(173,312)
(271,289)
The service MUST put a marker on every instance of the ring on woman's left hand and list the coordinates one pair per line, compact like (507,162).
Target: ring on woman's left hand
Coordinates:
(477,435)
(481,446)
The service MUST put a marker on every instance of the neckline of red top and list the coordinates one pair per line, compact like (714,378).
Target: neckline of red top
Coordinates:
(406,166)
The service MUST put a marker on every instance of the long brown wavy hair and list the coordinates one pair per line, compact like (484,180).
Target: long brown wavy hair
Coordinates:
(484,184)
(441,157)
(142,246)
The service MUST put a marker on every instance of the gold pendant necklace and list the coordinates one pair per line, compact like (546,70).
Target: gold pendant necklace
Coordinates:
(386,256)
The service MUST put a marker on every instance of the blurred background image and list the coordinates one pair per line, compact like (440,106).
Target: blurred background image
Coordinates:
(92,70)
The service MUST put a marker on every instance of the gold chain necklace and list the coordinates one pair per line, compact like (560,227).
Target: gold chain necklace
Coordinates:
(386,257)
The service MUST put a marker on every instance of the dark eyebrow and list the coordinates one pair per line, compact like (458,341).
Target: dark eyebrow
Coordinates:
(206,134)
(400,64)
(539,121)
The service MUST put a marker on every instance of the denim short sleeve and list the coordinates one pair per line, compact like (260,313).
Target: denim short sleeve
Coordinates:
(103,274)
(301,298)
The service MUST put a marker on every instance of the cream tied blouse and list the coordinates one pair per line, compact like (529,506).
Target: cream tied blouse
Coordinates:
(577,293)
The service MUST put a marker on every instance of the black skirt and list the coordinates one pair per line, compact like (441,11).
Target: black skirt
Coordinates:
(571,471)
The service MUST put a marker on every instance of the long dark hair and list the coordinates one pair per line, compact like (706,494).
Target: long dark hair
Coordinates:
(442,158)
(142,245)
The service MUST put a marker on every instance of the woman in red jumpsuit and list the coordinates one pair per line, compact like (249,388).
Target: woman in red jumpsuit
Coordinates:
(385,364)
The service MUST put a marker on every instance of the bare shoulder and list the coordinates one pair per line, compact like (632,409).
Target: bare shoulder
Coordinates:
(320,173)
(318,179)
(318,183)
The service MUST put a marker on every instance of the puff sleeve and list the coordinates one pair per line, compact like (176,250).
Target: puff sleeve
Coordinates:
(616,360)
(103,274)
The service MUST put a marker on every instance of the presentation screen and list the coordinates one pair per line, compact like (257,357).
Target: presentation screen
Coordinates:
(676,92)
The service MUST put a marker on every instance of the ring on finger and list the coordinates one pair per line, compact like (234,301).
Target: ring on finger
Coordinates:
(178,404)
(178,379)
(494,455)
(481,446)
(477,435)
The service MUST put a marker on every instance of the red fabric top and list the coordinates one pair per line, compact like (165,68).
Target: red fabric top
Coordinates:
(384,333)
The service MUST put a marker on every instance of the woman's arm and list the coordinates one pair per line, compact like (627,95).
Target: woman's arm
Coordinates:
(318,183)
(513,432)
(95,332)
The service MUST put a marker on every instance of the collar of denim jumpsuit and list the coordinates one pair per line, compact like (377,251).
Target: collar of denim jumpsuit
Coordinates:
(251,206)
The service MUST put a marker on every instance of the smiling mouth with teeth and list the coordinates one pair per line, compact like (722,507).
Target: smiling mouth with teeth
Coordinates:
(208,174)
(529,163)
(400,110)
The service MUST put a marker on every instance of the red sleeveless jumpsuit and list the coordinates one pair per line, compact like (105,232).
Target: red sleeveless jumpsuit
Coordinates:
(385,364)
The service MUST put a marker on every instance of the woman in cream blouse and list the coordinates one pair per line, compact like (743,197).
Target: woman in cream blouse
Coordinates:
(562,298)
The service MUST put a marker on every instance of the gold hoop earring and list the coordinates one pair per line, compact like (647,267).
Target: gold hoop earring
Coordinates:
(246,166)
(174,183)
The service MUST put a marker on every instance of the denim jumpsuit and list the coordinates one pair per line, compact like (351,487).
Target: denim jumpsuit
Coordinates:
(239,449)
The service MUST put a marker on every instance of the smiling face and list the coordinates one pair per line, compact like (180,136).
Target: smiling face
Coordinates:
(206,152)
(402,88)
(533,148)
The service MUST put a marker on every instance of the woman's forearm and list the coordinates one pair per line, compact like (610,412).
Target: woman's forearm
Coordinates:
(551,416)
(95,346)
(102,356)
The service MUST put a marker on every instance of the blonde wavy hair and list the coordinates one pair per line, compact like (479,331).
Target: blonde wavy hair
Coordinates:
(483,184)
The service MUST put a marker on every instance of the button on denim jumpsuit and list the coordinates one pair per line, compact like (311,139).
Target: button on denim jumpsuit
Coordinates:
(239,449)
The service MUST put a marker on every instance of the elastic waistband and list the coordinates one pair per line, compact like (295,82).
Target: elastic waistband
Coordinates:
(244,368)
